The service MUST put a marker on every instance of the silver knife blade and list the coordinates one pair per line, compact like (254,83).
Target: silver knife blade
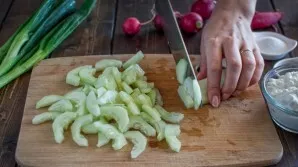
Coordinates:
(173,34)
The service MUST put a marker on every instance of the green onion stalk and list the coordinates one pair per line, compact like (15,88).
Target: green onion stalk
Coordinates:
(49,42)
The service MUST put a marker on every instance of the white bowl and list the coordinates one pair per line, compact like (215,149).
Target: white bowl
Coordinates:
(274,46)
(286,62)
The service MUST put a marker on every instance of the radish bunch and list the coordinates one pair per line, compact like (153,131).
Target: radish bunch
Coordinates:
(192,21)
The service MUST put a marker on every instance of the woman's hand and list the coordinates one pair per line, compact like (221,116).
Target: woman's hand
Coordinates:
(228,35)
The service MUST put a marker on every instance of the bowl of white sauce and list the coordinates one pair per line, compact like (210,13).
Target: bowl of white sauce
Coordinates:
(280,90)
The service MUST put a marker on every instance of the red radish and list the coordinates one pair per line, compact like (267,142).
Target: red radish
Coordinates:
(158,22)
(203,8)
(131,26)
(191,22)
(265,19)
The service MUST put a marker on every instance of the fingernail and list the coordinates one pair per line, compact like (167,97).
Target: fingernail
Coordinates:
(236,93)
(225,96)
(215,101)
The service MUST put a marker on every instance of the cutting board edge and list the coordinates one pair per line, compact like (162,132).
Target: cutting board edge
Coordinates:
(107,56)
(267,162)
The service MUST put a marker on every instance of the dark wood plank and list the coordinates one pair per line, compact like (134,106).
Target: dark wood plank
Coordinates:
(12,98)
(289,22)
(94,36)
(148,40)
(289,25)
(4,8)
(286,26)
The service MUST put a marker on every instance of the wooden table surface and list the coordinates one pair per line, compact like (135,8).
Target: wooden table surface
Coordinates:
(101,34)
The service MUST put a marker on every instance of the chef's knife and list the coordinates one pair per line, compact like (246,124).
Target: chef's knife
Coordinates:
(173,34)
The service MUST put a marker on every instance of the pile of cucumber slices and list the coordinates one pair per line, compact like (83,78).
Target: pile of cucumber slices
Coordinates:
(118,105)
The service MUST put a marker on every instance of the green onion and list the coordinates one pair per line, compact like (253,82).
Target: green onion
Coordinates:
(51,41)
(65,8)
(24,35)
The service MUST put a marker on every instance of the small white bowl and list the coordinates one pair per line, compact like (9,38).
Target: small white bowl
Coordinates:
(286,62)
(274,46)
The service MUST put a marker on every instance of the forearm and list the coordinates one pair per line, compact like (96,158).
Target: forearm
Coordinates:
(243,8)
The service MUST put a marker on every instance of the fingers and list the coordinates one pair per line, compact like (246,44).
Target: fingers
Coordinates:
(234,66)
(248,68)
(203,64)
(214,52)
(259,66)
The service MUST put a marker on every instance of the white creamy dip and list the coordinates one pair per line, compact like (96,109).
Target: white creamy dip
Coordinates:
(285,90)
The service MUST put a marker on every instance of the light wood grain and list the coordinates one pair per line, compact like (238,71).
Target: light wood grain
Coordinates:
(239,133)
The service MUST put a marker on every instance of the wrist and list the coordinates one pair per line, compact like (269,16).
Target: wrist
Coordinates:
(236,8)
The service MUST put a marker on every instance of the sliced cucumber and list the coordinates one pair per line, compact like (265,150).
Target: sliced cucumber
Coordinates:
(76,97)
(111,132)
(101,91)
(197,94)
(204,88)
(146,90)
(133,108)
(117,76)
(102,140)
(63,105)
(87,76)
(172,117)
(89,129)
(44,117)
(152,112)
(143,78)
(106,81)
(76,129)
(125,97)
(155,124)
(126,88)
(48,100)
(129,77)
(139,70)
(144,100)
(187,100)
(158,125)
(138,123)
(152,95)
(108,71)
(79,98)
(119,114)
(105,63)
(60,123)
(162,126)
(159,99)
(188,85)
(136,92)
(181,70)
(73,78)
(134,60)
(88,88)
(204,91)
(91,104)
(119,142)
(140,84)
(108,98)
(171,133)
(139,141)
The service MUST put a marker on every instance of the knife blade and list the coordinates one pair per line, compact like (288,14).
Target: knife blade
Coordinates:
(173,34)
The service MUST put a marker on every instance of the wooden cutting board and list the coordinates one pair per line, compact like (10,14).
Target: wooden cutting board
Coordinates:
(238,133)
